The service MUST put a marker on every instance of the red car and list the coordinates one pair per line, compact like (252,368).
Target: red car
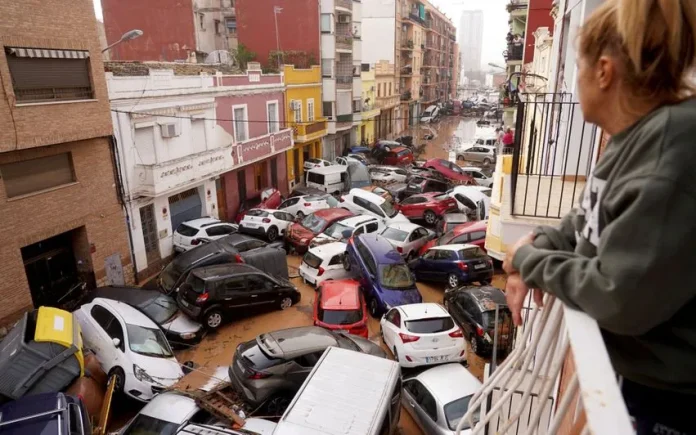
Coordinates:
(398,156)
(427,206)
(269,199)
(299,235)
(340,305)
(471,232)
(450,170)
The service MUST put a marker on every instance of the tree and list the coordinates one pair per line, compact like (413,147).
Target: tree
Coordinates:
(243,56)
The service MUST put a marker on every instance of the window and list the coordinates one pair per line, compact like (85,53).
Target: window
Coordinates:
(234,284)
(310,109)
(102,316)
(327,109)
(297,111)
(35,175)
(356,106)
(274,171)
(326,23)
(336,260)
(201,21)
(241,126)
(390,90)
(258,282)
(365,67)
(231,24)
(310,359)
(44,79)
(218,27)
(272,113)
(326,67)
(477,235)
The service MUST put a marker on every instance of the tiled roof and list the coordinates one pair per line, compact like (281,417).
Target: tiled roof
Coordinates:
(137,68)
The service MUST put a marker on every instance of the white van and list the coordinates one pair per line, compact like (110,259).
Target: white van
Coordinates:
(347,392)
(330,179)
(430,114)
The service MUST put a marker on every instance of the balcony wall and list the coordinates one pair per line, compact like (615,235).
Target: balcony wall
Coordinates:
(307,132)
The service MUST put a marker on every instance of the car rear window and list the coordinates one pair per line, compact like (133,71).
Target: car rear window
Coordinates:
(313,177)
(259,213)
(394,234)
(197,284)
(339,317)
(253,356)
(503,317)
(312,260)
(313,160)
(186,230)
(471,253)
(144,424)
(430,326)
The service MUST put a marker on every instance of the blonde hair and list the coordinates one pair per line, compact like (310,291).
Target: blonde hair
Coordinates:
(653,41)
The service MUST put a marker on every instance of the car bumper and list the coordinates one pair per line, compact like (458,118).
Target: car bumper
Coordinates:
(144,391)
(190,310)
(424,357)
(247,394)
(177,341)
(486,275)
(309,275)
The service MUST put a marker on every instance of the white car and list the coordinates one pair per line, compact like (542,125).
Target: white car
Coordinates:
(346,228)
(316,163)
(192,233)
(353,158)
(363,202)
(407,238)
(422,334)
(324,263)
(169,412)
(466,196)
(480,178)
(129,345)
(301,206)
(270,224)
(387,174)
(439,397)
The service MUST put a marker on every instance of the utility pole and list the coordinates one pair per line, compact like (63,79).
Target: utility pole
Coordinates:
(276,11)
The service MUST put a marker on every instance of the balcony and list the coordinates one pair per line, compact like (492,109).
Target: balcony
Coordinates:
(407,45)
(406,71)
(345,5)
(307,132)
(559,350)
(413,16)
(517,7)
(344,81)
(384,103)
(369,111)
(406,96)
(514,53)
(345,118)
(344,43)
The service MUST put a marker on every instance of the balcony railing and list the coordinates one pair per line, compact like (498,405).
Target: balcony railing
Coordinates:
(344,42)
(308,131)
(514,52)
(37,95)
(345,118)
(344,81)
(557,346)
(406,96)
(555,157)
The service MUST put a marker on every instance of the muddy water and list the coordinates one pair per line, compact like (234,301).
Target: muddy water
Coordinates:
(449,132)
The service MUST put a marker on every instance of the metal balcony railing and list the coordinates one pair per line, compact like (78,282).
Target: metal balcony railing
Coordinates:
(514,52)
(36,95)
(556,347)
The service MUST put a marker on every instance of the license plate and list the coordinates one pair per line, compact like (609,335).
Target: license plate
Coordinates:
(184,303)
(479,266)
(430,359)
(250,225)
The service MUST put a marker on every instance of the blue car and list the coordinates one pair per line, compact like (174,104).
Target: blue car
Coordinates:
(454,264)
(384,277)
(45,414)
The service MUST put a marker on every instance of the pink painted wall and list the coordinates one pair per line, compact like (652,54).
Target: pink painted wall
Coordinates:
(232,189)
(243,79)
(256,108)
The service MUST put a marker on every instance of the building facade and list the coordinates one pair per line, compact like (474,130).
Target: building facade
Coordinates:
(387,98)
(185,30)
(369,105)
(62,221)
(440,73)
(303,112)
(471,42)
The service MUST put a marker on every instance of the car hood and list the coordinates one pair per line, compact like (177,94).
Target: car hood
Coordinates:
(163,370)
(402,297)
(399,217)
(300,232)
(323,239)
(181,324)
(260,426)
(367,346)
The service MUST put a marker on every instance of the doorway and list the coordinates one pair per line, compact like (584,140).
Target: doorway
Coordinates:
(221,199)
(149,228)
(296,164)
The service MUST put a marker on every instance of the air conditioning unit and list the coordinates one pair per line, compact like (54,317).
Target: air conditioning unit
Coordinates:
(296,105)
(170,130)
(344,19)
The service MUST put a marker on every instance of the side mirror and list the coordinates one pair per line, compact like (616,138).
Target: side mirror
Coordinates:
(116,342)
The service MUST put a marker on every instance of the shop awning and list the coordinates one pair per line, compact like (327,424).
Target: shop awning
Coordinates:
(47,53)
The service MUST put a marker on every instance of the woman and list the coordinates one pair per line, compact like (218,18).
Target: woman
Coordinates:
(508,138)
(625,255)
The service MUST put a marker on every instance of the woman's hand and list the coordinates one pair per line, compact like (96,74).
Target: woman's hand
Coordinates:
(515,293)
(510,254)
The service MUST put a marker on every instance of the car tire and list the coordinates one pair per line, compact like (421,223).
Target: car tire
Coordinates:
(452,280)
(430,217)
(346,262)
(410,257)
(276,405)
(300,215)
(373,308)
(213,319)
(474,344)
(285,303)
(272,234)
(460,158)
(487,162)
(120,380)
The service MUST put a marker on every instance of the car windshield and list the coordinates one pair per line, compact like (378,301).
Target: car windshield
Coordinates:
(455,410)
(170,275)
(430,326)
(314,223)
(148,341)
(313,161)
(186,230)
(339,317)
(312,260)
(257,212)
(160,309)
(396,276)
(336,230)
(146,425)
(388,208)
(394,234)
(471,253)
(457,169)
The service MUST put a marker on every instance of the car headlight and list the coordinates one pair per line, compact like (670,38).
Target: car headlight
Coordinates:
(304,240)
(187,335)
(141,374)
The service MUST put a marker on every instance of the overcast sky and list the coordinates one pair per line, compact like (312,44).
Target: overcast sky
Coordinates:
(495,26)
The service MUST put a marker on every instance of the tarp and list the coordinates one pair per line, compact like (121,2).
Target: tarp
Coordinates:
(359,176)
(273,261)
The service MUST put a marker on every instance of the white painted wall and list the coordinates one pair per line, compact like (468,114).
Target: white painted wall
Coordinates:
(343,103)
(328,46)
(378,30)
(328,89)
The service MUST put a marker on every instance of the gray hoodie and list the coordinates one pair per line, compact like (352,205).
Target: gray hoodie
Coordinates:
(625,255)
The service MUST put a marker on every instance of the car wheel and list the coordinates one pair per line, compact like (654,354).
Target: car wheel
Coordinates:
(374,308)
(346,263)
(213,319)
(452,280)
(474,344)
(487,162)
(430,217)
(120,379)
(272,234)
(410,257)
(460,158)
(286,302)
(300,215)
(276,405)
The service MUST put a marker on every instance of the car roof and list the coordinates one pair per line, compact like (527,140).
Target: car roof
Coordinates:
(385,167)
(333,213)
(128,314)
(449,382)
(456,217)
(398,149)
(340,295)
(129,295)
(382,250)
(201,222)
(404,226)
(364,194)
(486,296)
(329,249)
(470,227)
(331,169)
(292,342)
(471,168)
(222,270)
(233,239)
(171,407)
(455,247)
(354,221)
(425,310)
(267,210)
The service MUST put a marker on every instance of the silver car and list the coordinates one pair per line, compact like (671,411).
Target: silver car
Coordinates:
(439,397)
(478,153)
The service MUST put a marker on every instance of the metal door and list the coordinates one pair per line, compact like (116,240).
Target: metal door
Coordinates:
(184,206)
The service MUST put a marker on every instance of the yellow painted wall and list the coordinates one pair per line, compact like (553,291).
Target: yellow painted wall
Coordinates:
(369,95)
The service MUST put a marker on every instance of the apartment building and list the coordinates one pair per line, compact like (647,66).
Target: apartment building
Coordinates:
(62,221)
(389,120)
(440,59)
(369,106)
(185,30)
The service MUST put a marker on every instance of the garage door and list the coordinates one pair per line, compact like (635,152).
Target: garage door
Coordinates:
(184,206)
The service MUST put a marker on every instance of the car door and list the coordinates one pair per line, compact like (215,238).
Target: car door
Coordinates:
(233,293)
(417,239)
(283,219)
(443,264)
(290,205)
(425,265)
(423,405)
(375,210)
(391,327)
(106,328)
(262,290)
(467,309)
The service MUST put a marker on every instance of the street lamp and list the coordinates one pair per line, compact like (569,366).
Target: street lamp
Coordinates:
(128,36)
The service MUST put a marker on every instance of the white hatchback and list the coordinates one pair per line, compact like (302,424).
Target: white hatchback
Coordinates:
(407,238)
(480,178)
(301,206)
(316,163)
(324,263)
(129,345)
(479,196)
(363,202)
(270,224)
(422,334)
(192,233)
(387,174)
(346,228)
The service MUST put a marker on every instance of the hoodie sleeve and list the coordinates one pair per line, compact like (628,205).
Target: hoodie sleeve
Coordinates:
(560,238)
(643,272)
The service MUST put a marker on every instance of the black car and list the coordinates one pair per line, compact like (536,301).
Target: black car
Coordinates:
(179,329)
(473,308)
(212,293)
(235,248)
